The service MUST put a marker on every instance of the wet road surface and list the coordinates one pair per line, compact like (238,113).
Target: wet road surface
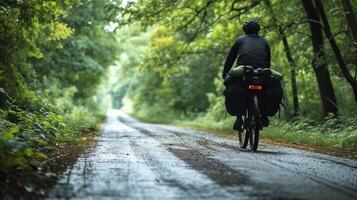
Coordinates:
(135,160)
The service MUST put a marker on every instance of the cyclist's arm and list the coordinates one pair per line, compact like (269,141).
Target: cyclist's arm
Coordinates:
(233,53)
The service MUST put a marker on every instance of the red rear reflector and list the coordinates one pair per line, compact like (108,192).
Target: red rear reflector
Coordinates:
(255,87)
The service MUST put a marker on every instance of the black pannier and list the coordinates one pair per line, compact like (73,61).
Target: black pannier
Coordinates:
(271,97)
(236,97)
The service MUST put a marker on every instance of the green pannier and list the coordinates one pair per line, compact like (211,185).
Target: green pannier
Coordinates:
(239,72)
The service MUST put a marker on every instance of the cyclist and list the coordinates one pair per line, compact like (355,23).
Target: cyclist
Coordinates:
(249,49)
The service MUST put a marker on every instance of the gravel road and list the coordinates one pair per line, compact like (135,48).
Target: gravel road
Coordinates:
(135,160)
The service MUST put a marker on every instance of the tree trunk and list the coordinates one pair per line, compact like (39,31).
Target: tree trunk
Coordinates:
(351,20)
(292,72)
(354,88)
(319,65)
(285,98)
(346,73)
(289,57)
(352,23)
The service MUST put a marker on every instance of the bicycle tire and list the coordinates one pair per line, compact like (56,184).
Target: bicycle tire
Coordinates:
(244,138)
(254,140)
(254,135)
(247,131)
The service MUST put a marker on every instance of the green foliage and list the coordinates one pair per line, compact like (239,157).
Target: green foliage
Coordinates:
(28,136)
(53,55)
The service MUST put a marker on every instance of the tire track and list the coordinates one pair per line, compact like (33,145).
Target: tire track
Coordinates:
(267,156)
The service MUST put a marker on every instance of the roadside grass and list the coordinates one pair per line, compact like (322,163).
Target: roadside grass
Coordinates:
(326,136)
(334,135)
(329,136)
(35,182)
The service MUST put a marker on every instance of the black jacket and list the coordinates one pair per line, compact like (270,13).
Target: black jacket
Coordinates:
(251,50)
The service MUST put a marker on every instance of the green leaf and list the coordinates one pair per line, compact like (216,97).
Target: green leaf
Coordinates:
(10,133)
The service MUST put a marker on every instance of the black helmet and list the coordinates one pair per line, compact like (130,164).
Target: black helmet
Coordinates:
(251,27)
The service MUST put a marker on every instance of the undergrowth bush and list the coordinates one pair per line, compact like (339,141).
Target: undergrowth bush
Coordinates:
(334,133)
(29,135)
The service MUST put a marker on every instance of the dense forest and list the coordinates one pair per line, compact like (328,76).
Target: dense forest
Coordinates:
(52,57)
(173,54)
(63,62)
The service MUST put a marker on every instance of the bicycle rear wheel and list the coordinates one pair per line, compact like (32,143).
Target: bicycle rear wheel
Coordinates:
(254,140)
(247,131)
(244,138)
(255,124)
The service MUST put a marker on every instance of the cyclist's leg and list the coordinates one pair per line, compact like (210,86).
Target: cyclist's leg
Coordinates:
(264,120)
(238,124)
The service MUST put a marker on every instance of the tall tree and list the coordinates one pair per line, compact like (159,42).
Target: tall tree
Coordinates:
(326,27)
(319,65)
(288,55)
(351,19)
(352,23)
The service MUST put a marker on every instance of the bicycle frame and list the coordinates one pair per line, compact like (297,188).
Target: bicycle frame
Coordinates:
(253,79)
